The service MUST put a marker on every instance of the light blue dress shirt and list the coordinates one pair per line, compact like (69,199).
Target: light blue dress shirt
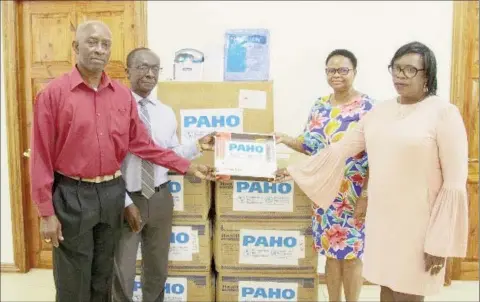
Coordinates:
(164,133)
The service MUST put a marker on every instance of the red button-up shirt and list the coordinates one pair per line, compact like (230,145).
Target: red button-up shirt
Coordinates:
(80,132)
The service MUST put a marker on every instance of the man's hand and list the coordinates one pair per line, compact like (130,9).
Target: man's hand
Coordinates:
(201,171)
(51,230)
(133,217)
(282,175)
(360,210)
(207,142)
(433,264)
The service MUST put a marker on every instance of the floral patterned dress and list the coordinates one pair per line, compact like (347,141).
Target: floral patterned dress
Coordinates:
(335,233)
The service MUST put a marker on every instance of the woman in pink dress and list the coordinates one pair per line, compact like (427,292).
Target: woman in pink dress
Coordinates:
(417,212)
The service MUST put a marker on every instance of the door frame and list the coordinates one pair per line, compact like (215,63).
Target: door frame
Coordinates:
(17,163)
(460,82)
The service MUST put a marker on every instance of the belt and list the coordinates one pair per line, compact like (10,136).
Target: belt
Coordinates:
(157,189)
(97,179)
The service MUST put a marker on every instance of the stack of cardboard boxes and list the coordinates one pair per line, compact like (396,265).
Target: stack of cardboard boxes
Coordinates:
(262,243)
(261,236)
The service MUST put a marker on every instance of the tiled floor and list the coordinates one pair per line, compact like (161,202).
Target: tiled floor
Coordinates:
(37,285)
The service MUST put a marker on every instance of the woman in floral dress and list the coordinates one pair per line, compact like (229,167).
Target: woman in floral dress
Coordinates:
(338,232)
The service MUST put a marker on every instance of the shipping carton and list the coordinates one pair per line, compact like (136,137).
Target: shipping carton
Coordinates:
(261,200)
(192,197)
(257,246)
(203,107)
(190,247)
(183,286)
(266,287)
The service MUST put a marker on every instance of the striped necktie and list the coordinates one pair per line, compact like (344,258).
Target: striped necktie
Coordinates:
(148,172)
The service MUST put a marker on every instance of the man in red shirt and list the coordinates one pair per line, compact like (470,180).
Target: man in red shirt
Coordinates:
(84,124)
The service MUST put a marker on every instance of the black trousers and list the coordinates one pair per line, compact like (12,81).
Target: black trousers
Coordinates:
(155,236)
(91,216)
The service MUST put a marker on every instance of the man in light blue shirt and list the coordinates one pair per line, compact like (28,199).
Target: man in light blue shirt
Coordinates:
(149,204)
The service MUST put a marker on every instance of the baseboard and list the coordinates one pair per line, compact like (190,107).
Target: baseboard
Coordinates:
(468,270)
(9,268)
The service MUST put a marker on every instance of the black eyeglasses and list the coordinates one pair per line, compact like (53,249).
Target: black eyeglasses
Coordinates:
(146,68)
(408,71)
(341,71)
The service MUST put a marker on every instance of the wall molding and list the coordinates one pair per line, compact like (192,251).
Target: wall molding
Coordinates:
(14,145)
(9,268)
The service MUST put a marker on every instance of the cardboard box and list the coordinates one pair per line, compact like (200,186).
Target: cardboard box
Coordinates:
(257,246)
(190,247)
(183,286)
(263,287)
(218,95)
(261,200)
(192,197)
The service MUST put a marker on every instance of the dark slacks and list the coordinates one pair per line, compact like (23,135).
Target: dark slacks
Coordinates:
(155,235)
(91,216)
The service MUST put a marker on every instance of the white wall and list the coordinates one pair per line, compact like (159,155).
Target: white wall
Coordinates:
(7,242)
(302,35)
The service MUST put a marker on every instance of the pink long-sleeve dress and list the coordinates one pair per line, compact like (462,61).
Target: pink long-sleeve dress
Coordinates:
(417,200)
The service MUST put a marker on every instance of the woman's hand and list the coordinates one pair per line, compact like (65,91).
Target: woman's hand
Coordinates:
(360,210)
(290,142)
(433,264)
(281,138)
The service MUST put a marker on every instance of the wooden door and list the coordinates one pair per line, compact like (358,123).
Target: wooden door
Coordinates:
(46,30)
(465,95)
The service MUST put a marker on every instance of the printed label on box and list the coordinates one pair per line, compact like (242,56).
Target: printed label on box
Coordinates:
(175,289)
(137,290)
(257,196)
(196,123)
(182,243)
(267,291)
(175,186)
(271,247)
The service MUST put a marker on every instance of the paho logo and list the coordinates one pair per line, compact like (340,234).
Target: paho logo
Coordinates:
(262,187)
(268,292)
(246,148)
(213,121)
(269,241)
